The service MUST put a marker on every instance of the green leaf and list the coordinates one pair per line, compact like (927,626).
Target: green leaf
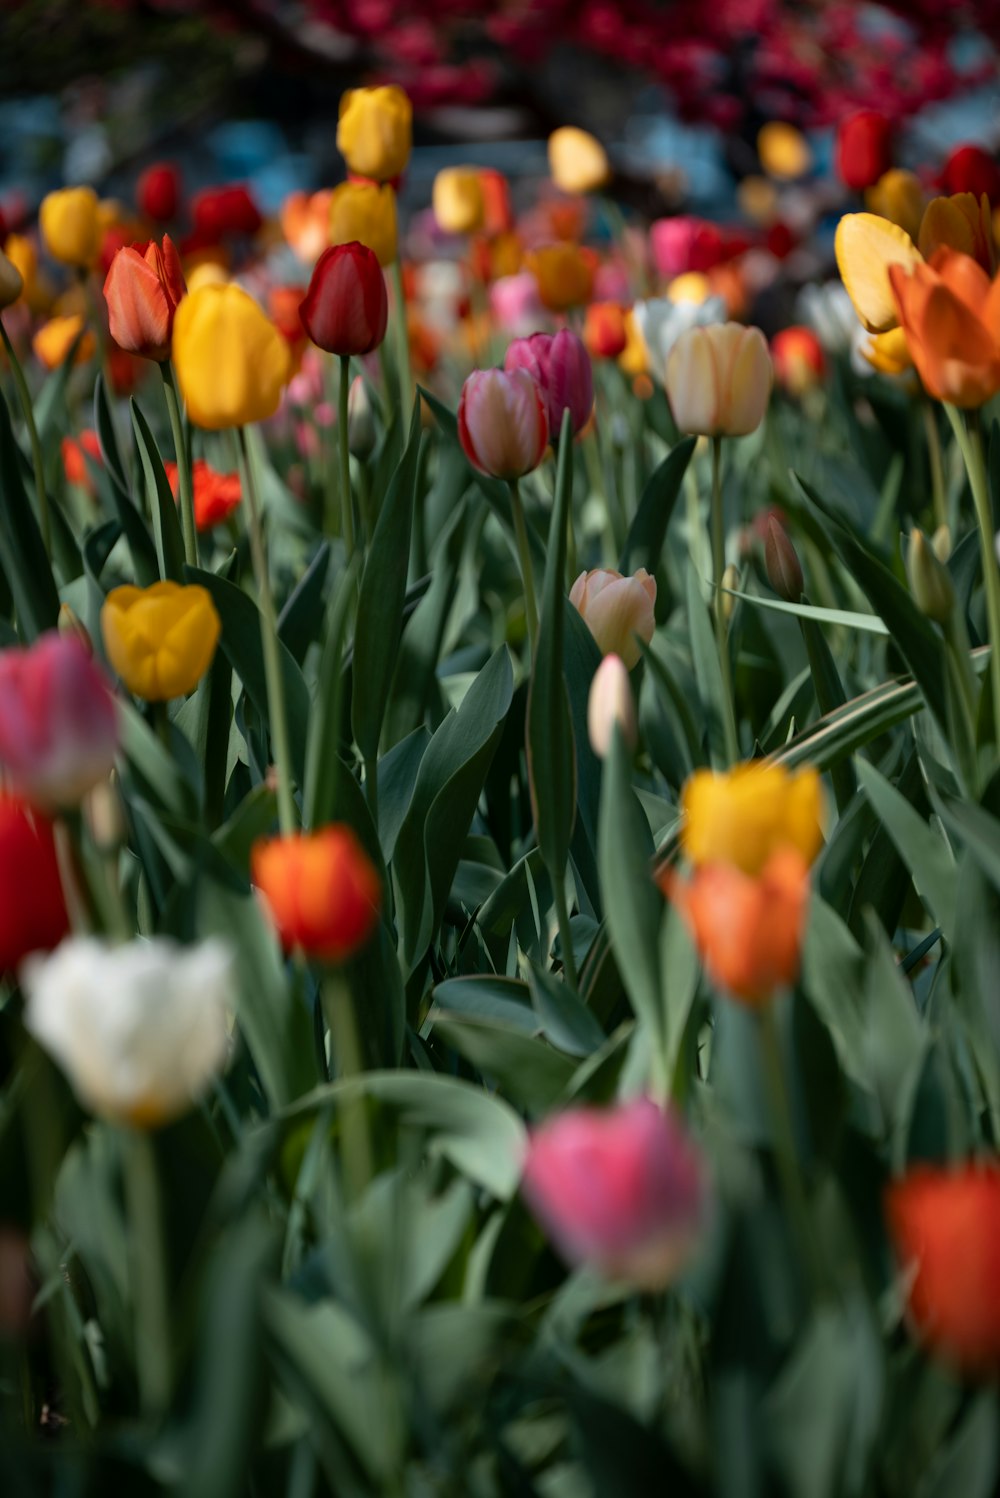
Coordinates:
(489,997)
(322,746)
(707,671)
(22,551)
(528,1071)
(300,619)
(565,1020)
(870,623)
(648,530)
(163,506)
(924,851)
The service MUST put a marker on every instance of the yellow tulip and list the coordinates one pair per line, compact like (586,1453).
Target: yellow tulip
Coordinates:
(959,223)
(899,197)
(160,639)
(231,361)
(691,286)
(70,225)
(577,161)
(54,339)
(866,245)
(889,353)
(784,151)
(746,814)
(565,275)
(365,212)
(458,200)
(634,357)
(375,131)
(11,282)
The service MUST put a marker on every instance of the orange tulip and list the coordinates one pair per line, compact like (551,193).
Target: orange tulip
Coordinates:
(565,275)
(322,891)
(305,223)
(604,330)
(950,313)
(748,930)
(142,290)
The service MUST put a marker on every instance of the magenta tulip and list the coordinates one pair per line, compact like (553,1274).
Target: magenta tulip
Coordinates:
(560,366)
(58,721)
(502,424)
(621,1188)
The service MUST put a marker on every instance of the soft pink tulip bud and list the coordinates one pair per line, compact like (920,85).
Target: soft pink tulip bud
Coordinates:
(616,609)
(784,570)
(718,380)
(360,421)
(621,1188)
(610,702)
(58,721)
(502,424)
(560,365)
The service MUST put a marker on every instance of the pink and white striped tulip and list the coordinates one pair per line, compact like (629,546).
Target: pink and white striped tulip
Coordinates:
(502,424)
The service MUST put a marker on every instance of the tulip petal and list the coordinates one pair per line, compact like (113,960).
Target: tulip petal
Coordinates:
(866,246)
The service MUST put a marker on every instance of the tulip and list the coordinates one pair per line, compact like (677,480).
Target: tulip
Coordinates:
(930,582)
(950,313)
(160,639)
(143,291)
(305,223)
(458,200)
(621,1188)
(604,330)
(784,151)
(321,889)
(577,161)
(610,701)
(945,1225)
(498,216)
(889,353)
(560,366)
(971,169)
(866,246)
(283,303)
(799,362)
(221,211)
(140,1030)
(74,458)
(685,243)
(33,916)
(345,310)
(11,282)
(375,131)
(70,225)
(216,495)
(899,197)
(502,424)
(564,273)
(515,303)
(58,723)
(659,322)
(748,929)
(55,339)
(232,363)
(959,223)
(863,148)
(157,192)
(616,609)
(23,256)
(365,212)
(744,815)
(784,570)
(360,421)
(718,380)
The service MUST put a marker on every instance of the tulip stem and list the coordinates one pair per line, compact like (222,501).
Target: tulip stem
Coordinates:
(783,1142)
(269,643)
(346,498)
(402,339)
(338,1005)
(524,557)
(27,411)
(185,482)
(969,436)
(721,627)
(149,1283)
(938,494)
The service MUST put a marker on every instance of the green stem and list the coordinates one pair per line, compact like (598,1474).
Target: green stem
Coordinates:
(784,1145)
(148,1272)
(970,439)
(27,411)
(346,498)
(269,642)
(721,627)
(402,339)
(524,557)
(938,492)
(338,1005)
(185,482)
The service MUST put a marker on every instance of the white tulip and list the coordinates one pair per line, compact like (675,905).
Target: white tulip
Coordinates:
(138,1029)
(662,321)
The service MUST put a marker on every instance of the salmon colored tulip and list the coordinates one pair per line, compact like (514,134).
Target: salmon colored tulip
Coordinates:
(459,206)
(55,338)
(365,212)
(498,215)
(616,610)
(718,380)
(950,313)
(231,361)
(866,246)
(742,816)
(70,225)
(33,916)
(375,131)
(963,223)
(578,162)
(160,639)
(502,424)
(143,290)
(322,891)
(565,275)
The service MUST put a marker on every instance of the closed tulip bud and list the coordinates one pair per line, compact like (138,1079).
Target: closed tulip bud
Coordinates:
(604,330)
(140,1030)
(742,816)
(799,361)
(221,211)
(560,366)
(54,341)
(322,891)
(70,623)
(157,192)
(616,609)
(58,721)
(621,1189)
(70,225)
(962,223)
(729,584)
(232,363)
(143,291)
(930,582)
(502,424)
(610,702)
(784,570)
(564,273)
(105,815)
(375,131)
(33,915)
(360,421)
(458,200)
(365,212)
(899,197)
(863,149)
(345,309)
(11,282)
(941,543)
(577,161)
(718,380)
(160,639)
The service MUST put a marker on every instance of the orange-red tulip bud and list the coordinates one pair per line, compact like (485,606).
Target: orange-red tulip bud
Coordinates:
(322,890)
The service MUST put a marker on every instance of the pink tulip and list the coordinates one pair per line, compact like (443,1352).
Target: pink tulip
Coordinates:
(515,303)
(560,366)
(684,243)
(502,424)
(58,721)
(617,609)
(621,1188)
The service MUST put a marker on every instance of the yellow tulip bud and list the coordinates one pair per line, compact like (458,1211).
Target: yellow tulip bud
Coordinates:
(458,200)
(160,639)
(11,282)
(784,151)
(898,197)
(718,380)
(375,131)
(70,225)
(742,816)
(365,212)
(577,161)
(231,361)
(54,339)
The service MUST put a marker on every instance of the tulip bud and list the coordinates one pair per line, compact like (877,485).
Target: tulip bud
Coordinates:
(616,609)
(70,225)
(360,421)
(321,889)
(729,583)
(345,310)
(799,361)
(718,380)
(458,200)
(365,212)
(33,915)
(560,366)
(105,815)
(863,149)
(930,582)
(784,570)
(502,424)
(610,702)
(70,623)
(232,363)
(157,192)
(143,292)
(941,543)
(11,282)
(374,131)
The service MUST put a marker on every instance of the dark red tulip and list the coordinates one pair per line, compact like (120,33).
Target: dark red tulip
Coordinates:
(863,148)
(221,211)
(971,169)
(345,309)
(33,914)
(157,192)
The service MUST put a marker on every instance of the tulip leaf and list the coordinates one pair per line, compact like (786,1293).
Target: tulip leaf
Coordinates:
(380,604)
(108,438)
(163,507)
(648,530)
(22,551)
(708,672)
(300,619)
(868,622)
(528,1070)
(924,851)
(322,748)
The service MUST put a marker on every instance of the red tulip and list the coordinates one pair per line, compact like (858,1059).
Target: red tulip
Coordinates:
(604,330)
(798,358)
(560,366)
(33,915)
(322,891)
(216,495)
(971,169)
(143,289)
(75,454)
(157,192)
(219,211)
(502,424)
(345,310)
(864,148)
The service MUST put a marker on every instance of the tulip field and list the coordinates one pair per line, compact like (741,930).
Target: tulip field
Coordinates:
(500,803)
